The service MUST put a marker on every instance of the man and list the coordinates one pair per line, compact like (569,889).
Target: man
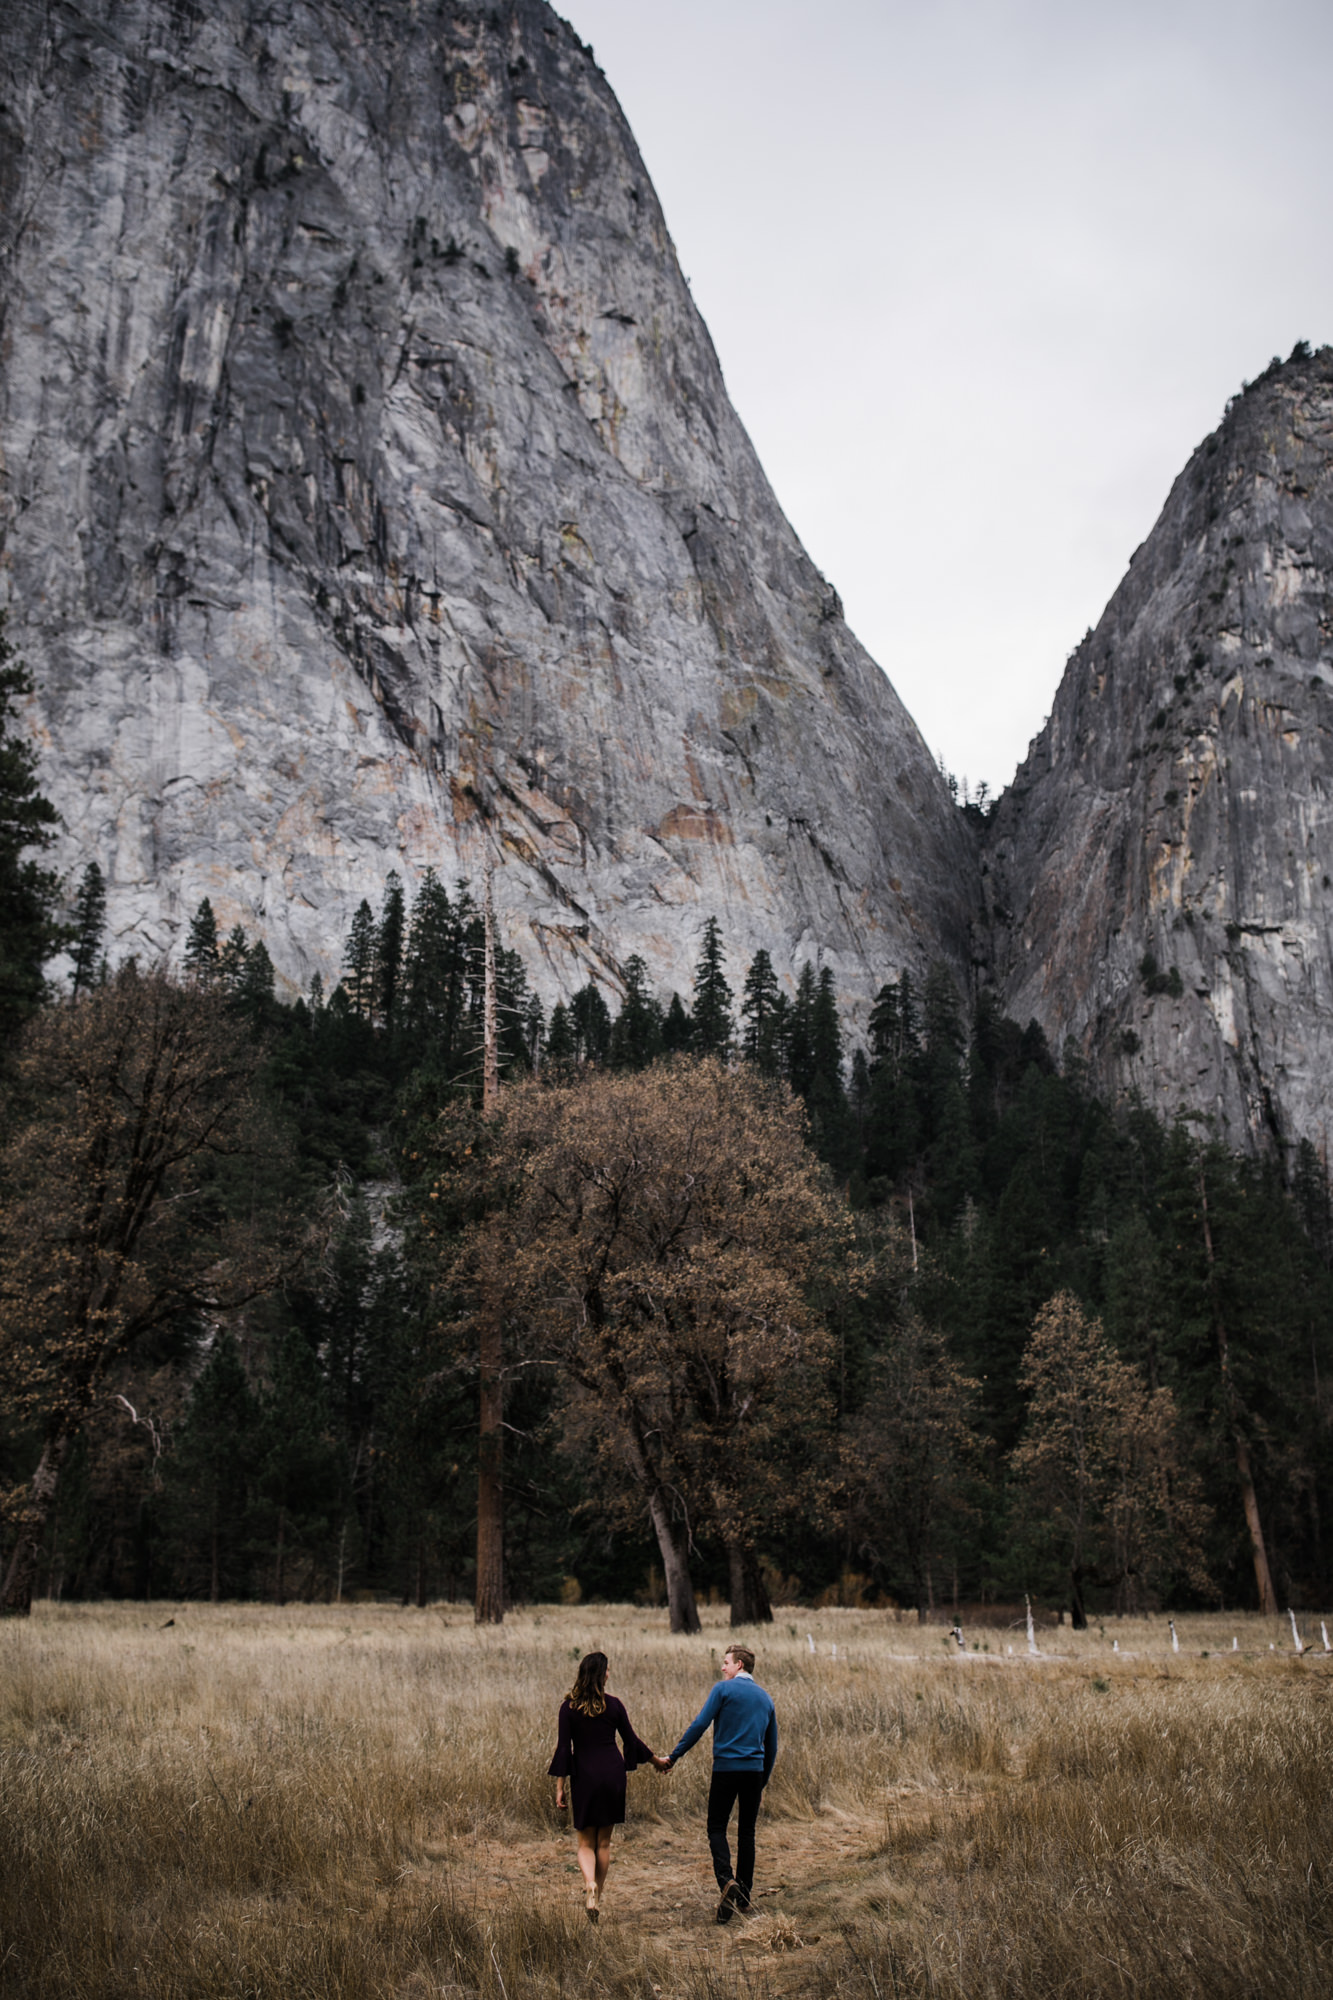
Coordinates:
(745,1742)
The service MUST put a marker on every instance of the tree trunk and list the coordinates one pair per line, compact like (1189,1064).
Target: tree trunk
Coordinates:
(1262,1574)
(1249,1498)
(680,1591)
(368,1531)
(278,1596)
(214,1575)
(1078,1616)
(490,1052)
(21,1576)
(490,1604)
(749,1599)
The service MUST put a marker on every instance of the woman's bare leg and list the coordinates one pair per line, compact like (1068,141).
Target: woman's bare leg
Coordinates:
(587,1839)
(603,1855)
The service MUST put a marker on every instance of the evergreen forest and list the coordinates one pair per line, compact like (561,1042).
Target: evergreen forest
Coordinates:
(1021,1340)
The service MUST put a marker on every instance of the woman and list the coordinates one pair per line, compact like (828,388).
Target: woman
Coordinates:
(586,1754)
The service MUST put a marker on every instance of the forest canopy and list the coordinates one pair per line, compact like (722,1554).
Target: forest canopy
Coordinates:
(926,1324)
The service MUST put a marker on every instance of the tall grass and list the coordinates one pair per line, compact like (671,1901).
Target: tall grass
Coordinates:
(348,1802)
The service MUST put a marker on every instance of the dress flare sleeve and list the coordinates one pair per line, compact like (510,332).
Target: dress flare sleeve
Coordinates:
(636,1750)
(563,1761)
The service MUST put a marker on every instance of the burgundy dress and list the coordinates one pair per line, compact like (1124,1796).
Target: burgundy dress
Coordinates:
(586,1755)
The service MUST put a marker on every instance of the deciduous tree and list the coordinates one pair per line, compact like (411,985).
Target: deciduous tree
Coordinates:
(655,1245)
(126,1104)
(1107,1495)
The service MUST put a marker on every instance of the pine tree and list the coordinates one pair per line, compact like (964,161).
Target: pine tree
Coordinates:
(298,1467)
(800,1039)
(1134,1301)
(534,1029)
(89,926)
(389,952)
(590,1022)
(762,1016)
(858,1090)
(945,1041)
(201,945)
(441,978)
(677,1029)
(713,1026)
(883,1028)
(826,1098)
(1310,1191)
(209,1473)
(427,949)
(955,1161)
(348,1329)
(233,959)
(826,1034)
(636,1038)
(29,932)
(519,1013)
(560,1043)
(359,963)
(254,988)
(894,1119)
(894,1033)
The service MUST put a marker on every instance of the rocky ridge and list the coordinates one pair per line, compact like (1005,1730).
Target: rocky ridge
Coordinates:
(370,497)
(1159,875)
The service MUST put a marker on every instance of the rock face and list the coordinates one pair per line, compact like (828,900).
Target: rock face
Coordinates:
(1160,873)
(370,498)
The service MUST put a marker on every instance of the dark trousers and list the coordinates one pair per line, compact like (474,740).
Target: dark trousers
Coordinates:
(730,1788)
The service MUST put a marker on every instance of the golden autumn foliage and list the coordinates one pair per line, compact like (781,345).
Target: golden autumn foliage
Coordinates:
(1101,1464)
(655,1246)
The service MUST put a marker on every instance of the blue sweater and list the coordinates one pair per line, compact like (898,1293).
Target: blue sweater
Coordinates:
(745,1727)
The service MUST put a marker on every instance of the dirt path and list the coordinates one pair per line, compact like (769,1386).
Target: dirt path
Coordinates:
(813,1880)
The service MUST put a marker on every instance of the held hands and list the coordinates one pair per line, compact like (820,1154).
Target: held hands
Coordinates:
(661,1763)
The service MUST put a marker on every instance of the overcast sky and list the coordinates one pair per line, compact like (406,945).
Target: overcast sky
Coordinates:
(981,274)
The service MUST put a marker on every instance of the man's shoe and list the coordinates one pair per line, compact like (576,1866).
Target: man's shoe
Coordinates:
(732,1899)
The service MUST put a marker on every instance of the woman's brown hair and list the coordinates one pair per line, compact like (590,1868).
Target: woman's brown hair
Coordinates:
(588,1694)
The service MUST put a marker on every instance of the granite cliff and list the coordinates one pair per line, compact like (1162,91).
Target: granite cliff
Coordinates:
(370,497)
(1160,873)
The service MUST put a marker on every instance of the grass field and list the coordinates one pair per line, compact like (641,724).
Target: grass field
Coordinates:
(341,1802)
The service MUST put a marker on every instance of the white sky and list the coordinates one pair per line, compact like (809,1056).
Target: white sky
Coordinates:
(981,274)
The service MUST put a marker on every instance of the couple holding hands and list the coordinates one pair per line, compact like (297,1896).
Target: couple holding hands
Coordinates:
(745,1742)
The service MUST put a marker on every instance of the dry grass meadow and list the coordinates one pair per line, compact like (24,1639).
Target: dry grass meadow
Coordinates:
(329,1803)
